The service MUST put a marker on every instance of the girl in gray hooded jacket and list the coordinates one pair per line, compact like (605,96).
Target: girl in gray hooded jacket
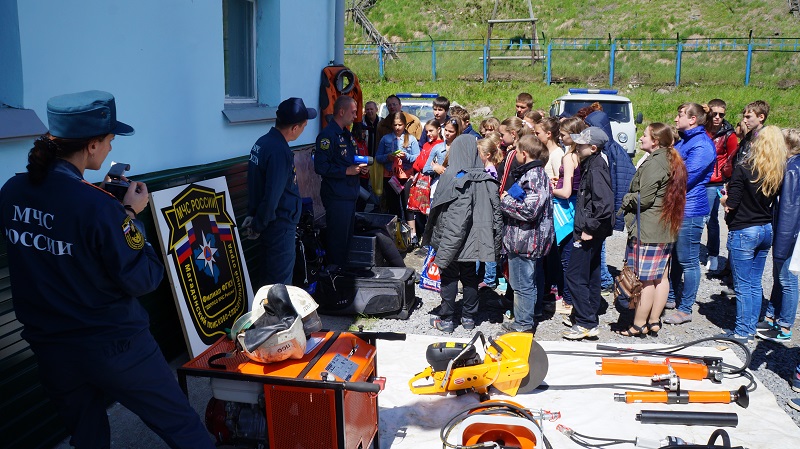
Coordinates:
(464,227)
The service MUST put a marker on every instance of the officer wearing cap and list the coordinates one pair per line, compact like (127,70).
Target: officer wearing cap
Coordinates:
(274,203)
(334,161)
(78,259)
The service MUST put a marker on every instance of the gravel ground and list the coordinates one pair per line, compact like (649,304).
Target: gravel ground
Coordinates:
(714,312)
(772,363)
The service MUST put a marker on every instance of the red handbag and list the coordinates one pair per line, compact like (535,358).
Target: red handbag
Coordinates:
(419,197)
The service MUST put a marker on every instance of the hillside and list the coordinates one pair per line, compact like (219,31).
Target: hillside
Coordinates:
(647,77)
(449,19)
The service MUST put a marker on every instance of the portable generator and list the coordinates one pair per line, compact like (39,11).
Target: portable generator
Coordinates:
(327,399)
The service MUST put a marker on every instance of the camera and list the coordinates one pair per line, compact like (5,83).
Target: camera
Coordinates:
(117,186)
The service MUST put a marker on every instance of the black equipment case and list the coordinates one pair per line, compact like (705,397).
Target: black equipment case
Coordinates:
(387,292)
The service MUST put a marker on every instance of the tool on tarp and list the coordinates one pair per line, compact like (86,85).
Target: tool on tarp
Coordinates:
(683,418)
(502,424)
(513,363)
(685,397)
(696,368)
(668,442)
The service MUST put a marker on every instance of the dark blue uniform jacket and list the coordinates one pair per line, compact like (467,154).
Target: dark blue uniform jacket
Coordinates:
(77,261)
(273,196)
(334,153)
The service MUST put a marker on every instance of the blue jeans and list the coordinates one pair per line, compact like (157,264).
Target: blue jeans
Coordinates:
(748,249)
(712,244)
(686,263)
(525,275)
(782,304)
(489,272)
(606,280)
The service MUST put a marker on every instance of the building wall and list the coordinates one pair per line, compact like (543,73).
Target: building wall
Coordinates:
(163,61)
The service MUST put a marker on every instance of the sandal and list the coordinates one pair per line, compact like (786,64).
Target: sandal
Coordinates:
(640,331)
(654,332)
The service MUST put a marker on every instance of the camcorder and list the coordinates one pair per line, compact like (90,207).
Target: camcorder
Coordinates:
(117,186)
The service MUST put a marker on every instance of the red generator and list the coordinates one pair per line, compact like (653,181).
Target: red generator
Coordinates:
(326,400)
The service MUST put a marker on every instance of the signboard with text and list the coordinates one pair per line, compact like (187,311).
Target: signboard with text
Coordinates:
(204,256)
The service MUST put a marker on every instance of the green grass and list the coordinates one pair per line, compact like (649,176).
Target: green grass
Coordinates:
(466,19)
(648,78)
(462,19)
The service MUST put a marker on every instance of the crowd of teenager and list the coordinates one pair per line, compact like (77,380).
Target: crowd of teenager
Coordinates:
(530,199)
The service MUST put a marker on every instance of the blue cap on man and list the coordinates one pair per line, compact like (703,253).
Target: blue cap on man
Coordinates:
(293,110)
(83,115)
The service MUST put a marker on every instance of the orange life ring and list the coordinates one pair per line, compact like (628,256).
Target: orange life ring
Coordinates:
(332,86)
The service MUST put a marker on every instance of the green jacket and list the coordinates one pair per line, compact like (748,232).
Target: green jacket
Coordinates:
(650,181)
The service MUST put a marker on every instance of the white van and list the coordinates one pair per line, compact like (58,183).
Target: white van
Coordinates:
(618,108)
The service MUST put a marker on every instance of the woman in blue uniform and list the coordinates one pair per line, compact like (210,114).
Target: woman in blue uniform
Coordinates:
(77,260)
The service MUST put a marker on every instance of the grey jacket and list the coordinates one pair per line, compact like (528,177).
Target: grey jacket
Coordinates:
(465,223)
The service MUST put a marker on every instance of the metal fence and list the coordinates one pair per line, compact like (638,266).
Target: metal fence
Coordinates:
(722,60)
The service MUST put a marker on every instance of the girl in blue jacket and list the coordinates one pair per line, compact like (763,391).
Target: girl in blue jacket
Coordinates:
(397,152)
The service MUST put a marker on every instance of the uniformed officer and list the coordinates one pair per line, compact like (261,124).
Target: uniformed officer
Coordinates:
(274,204)
(78,259)
(334,161)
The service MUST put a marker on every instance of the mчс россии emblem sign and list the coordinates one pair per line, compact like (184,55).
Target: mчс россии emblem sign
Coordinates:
(203,251)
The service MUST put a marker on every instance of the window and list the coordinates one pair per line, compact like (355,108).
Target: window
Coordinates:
(238,29)
(617,112)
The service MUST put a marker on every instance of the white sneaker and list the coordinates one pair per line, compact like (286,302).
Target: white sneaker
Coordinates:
(712,264)
(578,332)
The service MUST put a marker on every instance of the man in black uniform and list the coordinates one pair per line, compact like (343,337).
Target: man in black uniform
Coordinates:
(274,203)
(334,161)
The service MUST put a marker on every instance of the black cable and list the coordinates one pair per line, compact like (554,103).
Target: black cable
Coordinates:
(631,386)
(667,351)
(492,408)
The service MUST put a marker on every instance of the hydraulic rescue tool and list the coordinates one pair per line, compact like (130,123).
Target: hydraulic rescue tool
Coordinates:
(502,424)
(696,368)
(678,396)
(513,363)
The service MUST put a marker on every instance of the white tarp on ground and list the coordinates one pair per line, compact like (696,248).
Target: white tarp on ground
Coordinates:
(414,421)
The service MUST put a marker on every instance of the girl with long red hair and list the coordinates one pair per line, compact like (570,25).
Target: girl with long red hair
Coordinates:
(659,190)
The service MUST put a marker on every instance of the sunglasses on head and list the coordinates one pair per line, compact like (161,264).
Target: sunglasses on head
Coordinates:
(718,114)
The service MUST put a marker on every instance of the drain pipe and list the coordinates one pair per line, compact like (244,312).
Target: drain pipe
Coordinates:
(338,33)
